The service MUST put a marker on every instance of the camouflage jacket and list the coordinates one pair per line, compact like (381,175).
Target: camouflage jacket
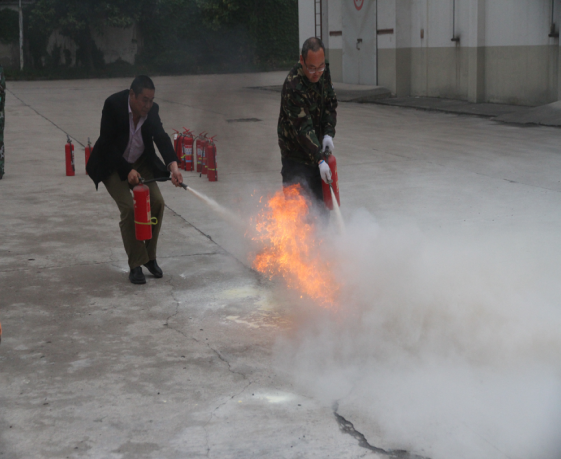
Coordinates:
(308,112)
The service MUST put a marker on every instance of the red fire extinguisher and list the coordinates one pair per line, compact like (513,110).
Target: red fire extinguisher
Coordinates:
(188,149)
(203,159)
(210,157)
(179,151)
(327,198)
(200,151)
(69,150)
(143,219)
(178,147)
(88,152)
(175,140)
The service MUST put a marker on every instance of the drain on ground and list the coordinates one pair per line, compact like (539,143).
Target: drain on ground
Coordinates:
(244,120)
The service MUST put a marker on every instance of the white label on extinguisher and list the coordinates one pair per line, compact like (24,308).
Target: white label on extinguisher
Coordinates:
(187,150)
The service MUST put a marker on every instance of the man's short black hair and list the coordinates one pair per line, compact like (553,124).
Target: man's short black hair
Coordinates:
(312,44)
(142,82)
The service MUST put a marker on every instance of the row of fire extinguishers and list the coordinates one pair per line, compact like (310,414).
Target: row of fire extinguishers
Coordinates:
(69,155)
(196,153)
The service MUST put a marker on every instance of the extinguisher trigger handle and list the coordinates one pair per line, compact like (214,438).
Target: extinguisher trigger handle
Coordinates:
(159,179)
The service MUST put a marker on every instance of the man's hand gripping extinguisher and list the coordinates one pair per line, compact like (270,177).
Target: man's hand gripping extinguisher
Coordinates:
(333,184)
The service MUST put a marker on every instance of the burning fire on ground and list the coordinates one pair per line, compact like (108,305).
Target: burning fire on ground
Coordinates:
(292,249)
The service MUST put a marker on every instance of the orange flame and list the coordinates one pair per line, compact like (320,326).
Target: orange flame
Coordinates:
(292,249)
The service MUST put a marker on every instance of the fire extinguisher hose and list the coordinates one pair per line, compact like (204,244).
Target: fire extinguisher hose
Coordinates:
(153,221)
(160,179)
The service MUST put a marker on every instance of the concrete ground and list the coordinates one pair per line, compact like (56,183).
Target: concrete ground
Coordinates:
(543,115)
(455,106)
(92,366)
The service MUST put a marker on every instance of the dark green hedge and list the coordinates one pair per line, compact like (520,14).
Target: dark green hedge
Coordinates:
(192,36)
(9,26)
(187,36)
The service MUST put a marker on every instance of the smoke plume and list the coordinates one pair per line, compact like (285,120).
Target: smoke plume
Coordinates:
(446,347)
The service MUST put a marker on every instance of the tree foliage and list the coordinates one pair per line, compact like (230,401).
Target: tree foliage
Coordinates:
(177,35)
(9,26)
(78,18)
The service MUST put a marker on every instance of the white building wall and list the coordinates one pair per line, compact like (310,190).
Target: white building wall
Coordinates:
(504,53)
(517,22)
(115,43)
(333,39)
(306,20)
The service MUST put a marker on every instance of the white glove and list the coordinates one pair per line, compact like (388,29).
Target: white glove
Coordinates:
(324,171)
(328,143)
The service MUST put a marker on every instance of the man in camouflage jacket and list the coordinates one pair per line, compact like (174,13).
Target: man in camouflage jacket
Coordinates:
(307,120)
(2,106)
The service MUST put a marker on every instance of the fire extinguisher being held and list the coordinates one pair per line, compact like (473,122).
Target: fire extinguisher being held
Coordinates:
(334,184)
(143,219)
(69,153)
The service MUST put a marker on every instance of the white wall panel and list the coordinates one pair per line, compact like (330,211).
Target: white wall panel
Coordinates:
(306,23)
(386,20)
(517,22)
(335,24)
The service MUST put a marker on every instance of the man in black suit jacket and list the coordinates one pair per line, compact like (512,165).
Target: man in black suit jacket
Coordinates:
(124,152)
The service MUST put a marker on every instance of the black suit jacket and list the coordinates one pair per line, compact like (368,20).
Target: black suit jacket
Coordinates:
(107,154)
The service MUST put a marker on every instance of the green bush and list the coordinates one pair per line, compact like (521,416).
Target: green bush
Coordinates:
(177,36)
(9,26)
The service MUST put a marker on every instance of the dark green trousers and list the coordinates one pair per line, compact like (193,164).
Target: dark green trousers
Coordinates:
(138,252)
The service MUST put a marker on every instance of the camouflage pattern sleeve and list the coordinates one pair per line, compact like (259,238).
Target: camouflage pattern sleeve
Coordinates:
(297,113)
(329,118)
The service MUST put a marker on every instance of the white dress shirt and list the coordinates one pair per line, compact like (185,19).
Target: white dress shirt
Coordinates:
(135,147)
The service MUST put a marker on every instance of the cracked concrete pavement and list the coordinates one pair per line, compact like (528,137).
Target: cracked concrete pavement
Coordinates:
(92,366)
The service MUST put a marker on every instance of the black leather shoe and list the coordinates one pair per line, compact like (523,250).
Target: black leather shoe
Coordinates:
(136,276)
(154,269)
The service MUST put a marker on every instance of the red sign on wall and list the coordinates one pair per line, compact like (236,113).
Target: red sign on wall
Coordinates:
(358,4)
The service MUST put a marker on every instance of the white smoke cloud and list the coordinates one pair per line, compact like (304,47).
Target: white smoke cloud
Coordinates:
(446,347)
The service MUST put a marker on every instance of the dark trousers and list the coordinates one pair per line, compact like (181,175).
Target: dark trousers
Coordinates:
(310,179)
(139,252)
